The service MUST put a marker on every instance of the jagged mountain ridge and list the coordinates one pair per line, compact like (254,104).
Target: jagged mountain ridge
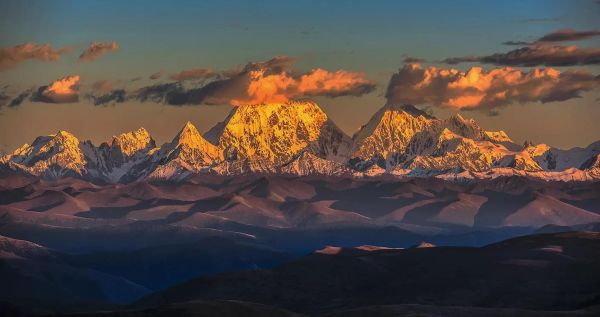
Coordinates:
(279,132)
(298,138)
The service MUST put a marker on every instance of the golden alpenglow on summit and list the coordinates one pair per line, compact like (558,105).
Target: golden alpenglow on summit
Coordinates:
(270,159)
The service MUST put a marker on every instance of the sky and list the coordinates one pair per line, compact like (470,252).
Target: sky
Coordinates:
(100,68)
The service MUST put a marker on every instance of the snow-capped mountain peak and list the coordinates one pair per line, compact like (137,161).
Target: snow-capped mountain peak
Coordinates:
(498,136)
(277,132)
(130,143)
(187,153)
(389,131)
(189,136)
(298,138)
(57,155)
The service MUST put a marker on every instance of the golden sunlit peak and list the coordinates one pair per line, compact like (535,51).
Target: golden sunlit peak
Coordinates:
(142,131)
(189,125)
(190,136)
(131,142)
(64,134)
(271,104)
(448,135)
(139,133)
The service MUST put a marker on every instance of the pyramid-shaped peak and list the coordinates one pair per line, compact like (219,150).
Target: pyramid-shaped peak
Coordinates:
(188,151)
(188,130)
(189,126)
(189,136)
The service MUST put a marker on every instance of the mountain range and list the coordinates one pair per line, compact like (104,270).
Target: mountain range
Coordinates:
(275,211)
(297,138)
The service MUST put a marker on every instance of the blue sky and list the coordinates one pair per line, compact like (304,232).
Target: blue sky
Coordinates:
(371,37)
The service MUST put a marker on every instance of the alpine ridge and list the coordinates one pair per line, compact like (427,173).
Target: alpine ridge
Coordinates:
(298,138)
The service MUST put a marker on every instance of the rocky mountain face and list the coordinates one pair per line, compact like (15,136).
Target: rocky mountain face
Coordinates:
(408,137)
(279,132)
(124,153)
(298,138)
(187,153)
(55,156)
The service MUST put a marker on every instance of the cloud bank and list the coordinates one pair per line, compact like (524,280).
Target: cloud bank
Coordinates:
(112,97)
(97,49)
(12,56)
(542,51)
(563,35)
(537,55)
(256,83)
(485,90)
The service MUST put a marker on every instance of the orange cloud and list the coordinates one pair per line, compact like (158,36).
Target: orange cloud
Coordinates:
(97,49)
(341,82)
(281,87)
(267,88)
(257,83)
(478,88)
(11,56)
(64,90)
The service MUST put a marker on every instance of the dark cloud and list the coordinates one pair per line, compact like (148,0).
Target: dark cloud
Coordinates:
(155,76)
(568,35)
(4,98)
(540,52)
(97,49)
(516,43)
(214,93)
(485,90)
(562,35)
(160,93)
(115,96)
(18,100)
(196,73)
(11,56)
(537,55)
(462,59)
(409,59)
